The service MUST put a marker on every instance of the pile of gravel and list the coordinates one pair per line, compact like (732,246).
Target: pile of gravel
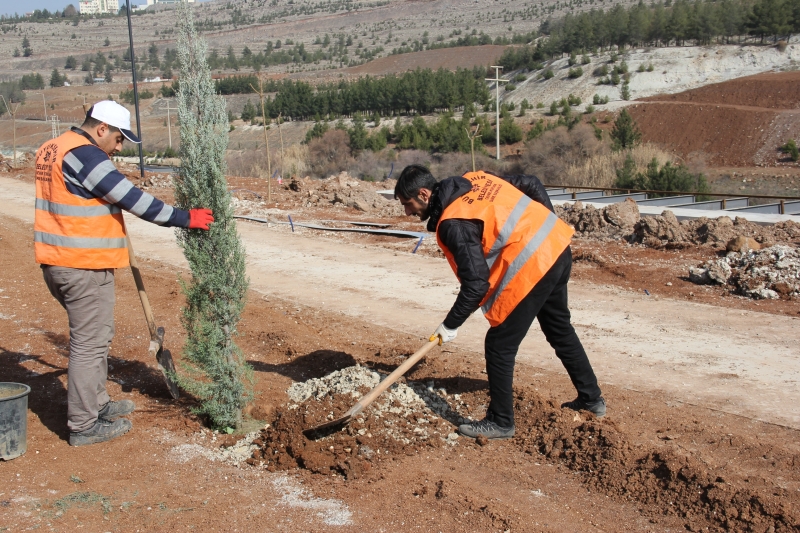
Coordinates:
(769,273)
(402,400)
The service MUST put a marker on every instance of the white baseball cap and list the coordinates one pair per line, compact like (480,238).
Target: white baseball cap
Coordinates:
(115,115)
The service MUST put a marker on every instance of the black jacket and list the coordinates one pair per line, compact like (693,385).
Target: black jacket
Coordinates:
(463,238)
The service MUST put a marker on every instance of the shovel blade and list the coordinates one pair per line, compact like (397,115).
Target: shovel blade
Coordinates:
(165,363)
(328,428)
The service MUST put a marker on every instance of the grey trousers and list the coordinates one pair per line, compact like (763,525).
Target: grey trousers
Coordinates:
(88,297)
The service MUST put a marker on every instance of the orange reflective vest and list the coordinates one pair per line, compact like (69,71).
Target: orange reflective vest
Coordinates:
(521,240)
(71,231)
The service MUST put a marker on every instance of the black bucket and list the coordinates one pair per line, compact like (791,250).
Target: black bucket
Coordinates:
(13,419)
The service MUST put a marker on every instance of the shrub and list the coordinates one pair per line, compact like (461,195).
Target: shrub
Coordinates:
(548,74)
(599,100)
(589,109)
(575,72)
(625,92)
(519,78)
(574,100)
(510,86)
(330,154)
(791,149)
(600,71)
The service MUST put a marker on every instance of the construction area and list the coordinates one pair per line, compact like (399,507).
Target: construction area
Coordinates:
(697,375)
(688,307)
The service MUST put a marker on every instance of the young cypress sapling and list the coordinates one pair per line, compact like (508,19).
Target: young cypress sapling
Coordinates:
(215,370)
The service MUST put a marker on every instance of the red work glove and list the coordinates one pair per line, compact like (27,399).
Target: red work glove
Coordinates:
(200,218)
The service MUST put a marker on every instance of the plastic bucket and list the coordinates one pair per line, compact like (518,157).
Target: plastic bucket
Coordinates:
(13,419)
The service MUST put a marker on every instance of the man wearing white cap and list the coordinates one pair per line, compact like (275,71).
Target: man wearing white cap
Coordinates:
(79,240)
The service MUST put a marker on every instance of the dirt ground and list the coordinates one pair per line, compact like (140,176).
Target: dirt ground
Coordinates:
(697,437)
(738,123)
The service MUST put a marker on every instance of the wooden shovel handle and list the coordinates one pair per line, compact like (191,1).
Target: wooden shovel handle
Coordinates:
(391,378)
(137,277)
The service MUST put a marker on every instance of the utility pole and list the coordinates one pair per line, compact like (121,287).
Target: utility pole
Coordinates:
(13,113)
(497,81)
(169,124)
(280,132)
(261,95)
(135,88)
(55,126)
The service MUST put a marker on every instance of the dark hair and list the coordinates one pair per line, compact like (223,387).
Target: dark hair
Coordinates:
(411,180)
(91,122)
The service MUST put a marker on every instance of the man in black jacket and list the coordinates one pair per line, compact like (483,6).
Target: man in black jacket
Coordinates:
(421,195)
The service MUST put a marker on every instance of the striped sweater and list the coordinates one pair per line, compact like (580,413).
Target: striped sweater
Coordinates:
(89,173)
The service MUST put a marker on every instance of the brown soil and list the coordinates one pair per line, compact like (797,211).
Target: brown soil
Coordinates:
(740,122)
(783,93)
(651,464)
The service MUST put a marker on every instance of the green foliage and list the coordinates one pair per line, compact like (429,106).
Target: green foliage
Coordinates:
(510,87)
(576,72)
(669,177)
(510,132)
(12,92)
(625,133)
(519,78)
(248,111)
(56,79)
(625,92)
(589,109)
(317,131)
(71,63)
(33,81)
(791,149)
(215,369)
(420,91)
(573,100)
(554,108)
(599,100)
(548,74)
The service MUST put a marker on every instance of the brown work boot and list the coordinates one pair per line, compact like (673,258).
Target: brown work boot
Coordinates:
(103,430)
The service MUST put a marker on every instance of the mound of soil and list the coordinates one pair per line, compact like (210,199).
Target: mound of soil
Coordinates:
(665,231)
(622,220)
(346,191)
(413,417)
(612,222)
(405,419)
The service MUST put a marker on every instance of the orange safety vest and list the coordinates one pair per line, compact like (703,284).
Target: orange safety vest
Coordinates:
(71,231)
(521,240)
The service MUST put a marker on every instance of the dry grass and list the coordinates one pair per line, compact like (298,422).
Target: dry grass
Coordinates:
(600,170)
(577,158)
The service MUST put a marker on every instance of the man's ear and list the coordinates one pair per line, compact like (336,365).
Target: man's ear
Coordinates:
(102,130)
(424,195)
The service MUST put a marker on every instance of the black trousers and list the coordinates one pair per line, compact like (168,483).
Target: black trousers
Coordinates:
(547,301)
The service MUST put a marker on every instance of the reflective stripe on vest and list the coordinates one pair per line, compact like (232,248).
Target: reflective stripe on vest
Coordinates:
(521,240)
(71,231)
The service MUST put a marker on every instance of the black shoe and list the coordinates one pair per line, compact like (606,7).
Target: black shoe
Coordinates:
(114,410)
(597,407)
(102,431)
(487,428)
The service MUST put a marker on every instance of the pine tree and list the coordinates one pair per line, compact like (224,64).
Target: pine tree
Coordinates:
(625,133)
(215,368)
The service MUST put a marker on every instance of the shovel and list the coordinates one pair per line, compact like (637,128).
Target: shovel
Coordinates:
(335,425)
(162,356)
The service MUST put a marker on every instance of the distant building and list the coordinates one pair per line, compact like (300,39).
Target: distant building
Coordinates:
(98,7)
